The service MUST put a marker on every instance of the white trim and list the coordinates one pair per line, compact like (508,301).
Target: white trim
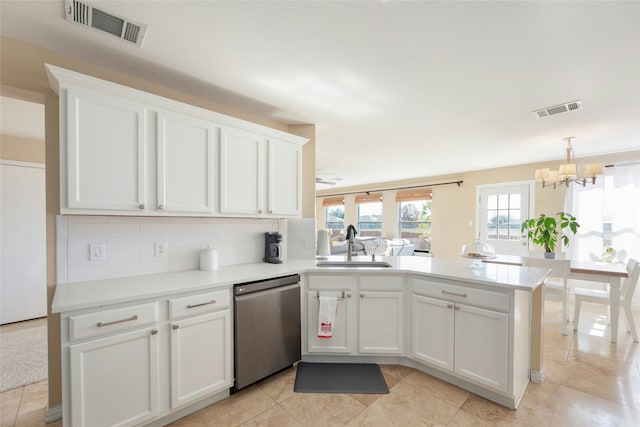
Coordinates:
(53,414)
(537,376)
(22,164)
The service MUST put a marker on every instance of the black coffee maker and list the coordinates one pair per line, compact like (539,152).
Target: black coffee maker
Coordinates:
(272,248)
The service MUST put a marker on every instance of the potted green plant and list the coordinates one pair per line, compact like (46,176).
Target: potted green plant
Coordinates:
(545,230)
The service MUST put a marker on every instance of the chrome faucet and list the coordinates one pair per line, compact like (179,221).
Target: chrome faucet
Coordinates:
(351,239)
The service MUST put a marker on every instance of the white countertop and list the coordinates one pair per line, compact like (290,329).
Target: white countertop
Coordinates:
(91,294)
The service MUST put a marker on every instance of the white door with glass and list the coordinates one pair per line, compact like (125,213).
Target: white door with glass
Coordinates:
(501,209)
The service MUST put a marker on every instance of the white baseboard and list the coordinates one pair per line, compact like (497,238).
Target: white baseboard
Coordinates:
(53,414)
(537,376)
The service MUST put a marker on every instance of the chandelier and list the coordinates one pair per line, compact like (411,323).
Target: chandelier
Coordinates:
(568,171)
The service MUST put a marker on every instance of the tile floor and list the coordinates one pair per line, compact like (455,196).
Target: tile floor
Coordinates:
(590,382)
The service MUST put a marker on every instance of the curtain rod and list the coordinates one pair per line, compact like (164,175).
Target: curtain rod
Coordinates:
(397,188)
(622,164)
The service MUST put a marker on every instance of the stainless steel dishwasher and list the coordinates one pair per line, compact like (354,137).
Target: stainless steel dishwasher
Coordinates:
(267,328)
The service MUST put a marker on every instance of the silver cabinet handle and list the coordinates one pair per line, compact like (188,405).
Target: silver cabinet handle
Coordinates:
(175,327)
(201,304)
(128,319)
(348,294)
(161,207)
(456,307)
(141,205)
(154,332)
(449,305)
(454,294)
(259,210)
(362,295)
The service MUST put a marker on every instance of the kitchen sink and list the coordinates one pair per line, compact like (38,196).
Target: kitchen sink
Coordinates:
(352,264)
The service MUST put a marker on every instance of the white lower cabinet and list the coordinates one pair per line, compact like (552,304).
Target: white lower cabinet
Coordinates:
(344,328)
(381,314)
(369,314)
(472,335)
(200,366)
(470,341)
(132,364)
(114,380)
(433,331)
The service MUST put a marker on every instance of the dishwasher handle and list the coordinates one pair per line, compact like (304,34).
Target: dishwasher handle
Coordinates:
(261,285)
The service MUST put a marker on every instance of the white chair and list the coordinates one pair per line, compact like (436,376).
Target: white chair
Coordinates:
(557,278)
(602,297)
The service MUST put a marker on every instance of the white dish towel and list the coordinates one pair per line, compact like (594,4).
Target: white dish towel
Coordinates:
(326,316)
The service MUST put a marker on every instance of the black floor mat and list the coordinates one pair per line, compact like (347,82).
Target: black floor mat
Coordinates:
(347,378)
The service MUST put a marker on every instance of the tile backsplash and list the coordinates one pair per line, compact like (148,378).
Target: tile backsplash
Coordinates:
(129,244)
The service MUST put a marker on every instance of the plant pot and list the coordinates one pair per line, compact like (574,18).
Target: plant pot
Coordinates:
(549,255)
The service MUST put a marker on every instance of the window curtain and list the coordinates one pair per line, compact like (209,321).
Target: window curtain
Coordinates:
(608,213)
(368,198)
(411,195)
(333,201)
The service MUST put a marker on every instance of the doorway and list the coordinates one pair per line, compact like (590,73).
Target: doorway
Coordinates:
(500,211)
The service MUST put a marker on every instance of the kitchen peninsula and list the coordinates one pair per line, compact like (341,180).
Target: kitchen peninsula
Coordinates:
(470,327)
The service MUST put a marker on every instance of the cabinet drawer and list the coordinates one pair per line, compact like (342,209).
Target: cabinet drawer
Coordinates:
(381,282)
(478,297)
(199,303)
(330,282)
(107,321)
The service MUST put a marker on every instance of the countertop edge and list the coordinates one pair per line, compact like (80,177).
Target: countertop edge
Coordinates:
(77,296)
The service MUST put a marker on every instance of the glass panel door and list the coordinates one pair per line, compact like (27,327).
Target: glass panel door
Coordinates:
(501,210)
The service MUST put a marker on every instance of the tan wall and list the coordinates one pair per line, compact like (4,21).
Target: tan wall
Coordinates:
(22,71)
(21,149)
(454,207)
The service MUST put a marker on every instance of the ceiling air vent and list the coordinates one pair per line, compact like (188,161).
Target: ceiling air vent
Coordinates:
(556,109)
(84,13)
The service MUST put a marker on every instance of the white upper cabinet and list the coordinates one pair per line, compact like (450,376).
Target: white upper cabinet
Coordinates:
(127,152)
(241,172)
(185,178)
(105,153)
(285,178)
(259,176)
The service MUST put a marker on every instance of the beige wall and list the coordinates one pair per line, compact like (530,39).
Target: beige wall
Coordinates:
(22,71)
(454,207)
(21,149)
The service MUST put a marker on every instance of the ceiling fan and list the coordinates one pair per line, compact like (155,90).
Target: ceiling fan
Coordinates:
(325,181)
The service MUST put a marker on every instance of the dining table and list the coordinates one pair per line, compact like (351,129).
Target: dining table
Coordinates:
(592,271)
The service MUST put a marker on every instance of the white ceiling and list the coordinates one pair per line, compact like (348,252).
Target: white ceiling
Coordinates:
(396,89)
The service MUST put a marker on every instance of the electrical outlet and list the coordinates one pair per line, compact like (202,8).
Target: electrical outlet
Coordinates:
(161,249)
(97,252)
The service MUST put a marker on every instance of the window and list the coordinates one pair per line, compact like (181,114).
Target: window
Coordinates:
(503,216)
(334,219)
(415,217)
(334,215)
(608,213)
(369,215)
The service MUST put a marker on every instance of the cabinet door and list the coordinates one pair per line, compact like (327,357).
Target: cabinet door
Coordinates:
(380,322)
(200,357)
(105,153)
(433,329)
(185,164)
(285,178)
(342,339)
(114,380)
(481,346)
(241,172)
